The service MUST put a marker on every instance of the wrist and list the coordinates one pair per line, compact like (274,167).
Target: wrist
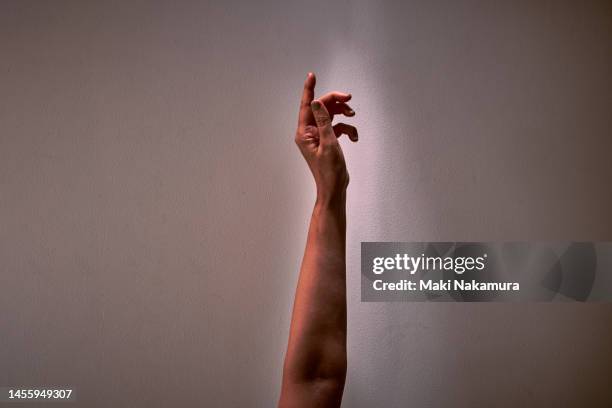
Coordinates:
(331,200)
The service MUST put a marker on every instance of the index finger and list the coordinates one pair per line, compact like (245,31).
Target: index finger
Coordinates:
(305,116)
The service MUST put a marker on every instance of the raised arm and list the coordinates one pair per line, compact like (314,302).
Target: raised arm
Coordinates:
(315,364)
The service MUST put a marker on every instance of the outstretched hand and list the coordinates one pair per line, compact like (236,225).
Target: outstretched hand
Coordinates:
(315,365)
(318,139)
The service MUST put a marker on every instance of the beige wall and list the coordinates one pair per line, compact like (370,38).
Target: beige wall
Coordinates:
(153,207)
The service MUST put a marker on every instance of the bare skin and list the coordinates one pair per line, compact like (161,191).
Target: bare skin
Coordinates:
(315,363)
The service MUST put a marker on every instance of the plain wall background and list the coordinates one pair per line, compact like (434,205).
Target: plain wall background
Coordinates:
(153,206)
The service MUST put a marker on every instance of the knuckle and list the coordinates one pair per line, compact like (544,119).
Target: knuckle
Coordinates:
(323,120)
(329,149)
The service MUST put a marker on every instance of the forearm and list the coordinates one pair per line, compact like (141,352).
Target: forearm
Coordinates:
(317,343)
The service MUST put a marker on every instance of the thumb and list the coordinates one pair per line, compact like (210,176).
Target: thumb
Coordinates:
(321,115)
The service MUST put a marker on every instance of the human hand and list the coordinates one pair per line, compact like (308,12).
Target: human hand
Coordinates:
(317,139)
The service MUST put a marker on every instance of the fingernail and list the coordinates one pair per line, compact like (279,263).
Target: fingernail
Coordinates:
(316,105)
